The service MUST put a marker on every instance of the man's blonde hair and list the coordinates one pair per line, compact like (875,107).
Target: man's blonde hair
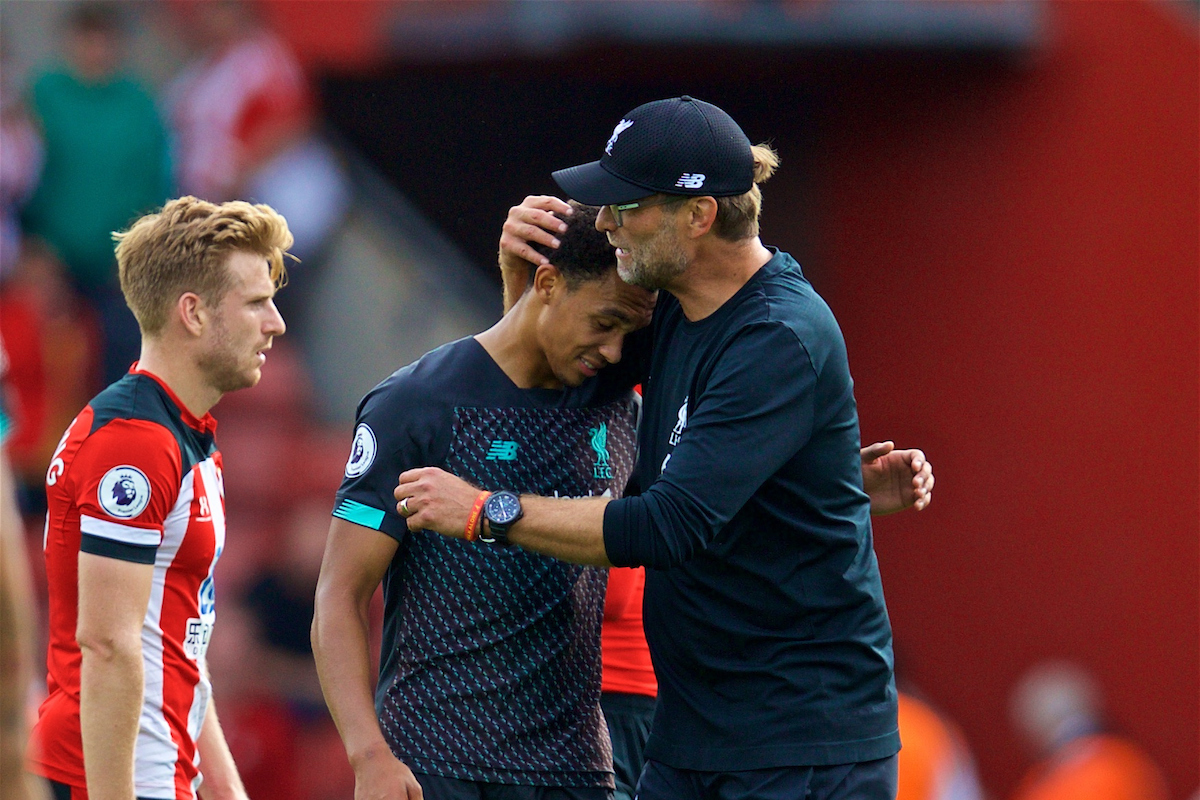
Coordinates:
(184,247)
(737,216)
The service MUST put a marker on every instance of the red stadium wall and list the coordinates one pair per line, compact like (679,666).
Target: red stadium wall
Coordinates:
(1031,243)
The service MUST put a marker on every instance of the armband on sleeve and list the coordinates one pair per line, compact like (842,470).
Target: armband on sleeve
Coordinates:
(126,480)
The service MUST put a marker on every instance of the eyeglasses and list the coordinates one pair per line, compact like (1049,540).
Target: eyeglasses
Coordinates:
(618,211)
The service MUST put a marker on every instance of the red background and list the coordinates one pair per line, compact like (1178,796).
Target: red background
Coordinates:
(1017,260)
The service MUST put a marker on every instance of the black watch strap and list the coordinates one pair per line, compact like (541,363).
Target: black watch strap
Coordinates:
(497,535)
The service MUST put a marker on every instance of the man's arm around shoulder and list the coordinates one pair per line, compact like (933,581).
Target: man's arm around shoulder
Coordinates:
(356,559)
(568,529)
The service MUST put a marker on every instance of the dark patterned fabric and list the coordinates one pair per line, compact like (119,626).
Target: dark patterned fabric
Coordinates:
(491,659)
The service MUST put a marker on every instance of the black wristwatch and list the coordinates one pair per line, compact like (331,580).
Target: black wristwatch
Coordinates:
(501,510)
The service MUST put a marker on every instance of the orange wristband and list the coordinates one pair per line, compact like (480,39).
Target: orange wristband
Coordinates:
(472,531)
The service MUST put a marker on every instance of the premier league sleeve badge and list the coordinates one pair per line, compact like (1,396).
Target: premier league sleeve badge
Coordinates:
(124,492)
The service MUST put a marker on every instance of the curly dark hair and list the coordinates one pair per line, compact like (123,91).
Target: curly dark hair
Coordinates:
(584,253)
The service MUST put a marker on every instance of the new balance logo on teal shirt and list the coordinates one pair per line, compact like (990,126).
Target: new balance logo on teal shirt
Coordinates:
(502,450)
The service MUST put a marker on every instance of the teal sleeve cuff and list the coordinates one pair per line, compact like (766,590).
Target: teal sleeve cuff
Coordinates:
(359,514)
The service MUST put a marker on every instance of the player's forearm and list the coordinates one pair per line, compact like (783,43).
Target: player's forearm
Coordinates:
(110,705)
(340,647)
(221,778)
(569,530)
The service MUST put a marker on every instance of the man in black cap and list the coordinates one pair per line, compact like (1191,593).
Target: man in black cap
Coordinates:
(764,609)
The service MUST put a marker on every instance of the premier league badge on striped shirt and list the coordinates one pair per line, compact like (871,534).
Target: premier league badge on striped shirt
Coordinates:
(124,492)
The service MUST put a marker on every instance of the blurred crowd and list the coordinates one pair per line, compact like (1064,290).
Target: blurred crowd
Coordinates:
(85,147)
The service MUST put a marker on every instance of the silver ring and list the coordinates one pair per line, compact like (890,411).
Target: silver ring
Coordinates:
(404,509)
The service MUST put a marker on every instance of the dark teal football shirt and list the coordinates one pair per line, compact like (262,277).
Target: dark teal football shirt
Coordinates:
(490,668)
(764,609)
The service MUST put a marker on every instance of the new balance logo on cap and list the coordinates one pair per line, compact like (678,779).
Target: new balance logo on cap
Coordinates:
(690,180)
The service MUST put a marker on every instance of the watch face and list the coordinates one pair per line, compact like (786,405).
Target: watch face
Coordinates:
(502,508)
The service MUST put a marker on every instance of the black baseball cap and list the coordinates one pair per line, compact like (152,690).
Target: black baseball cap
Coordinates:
(678,146)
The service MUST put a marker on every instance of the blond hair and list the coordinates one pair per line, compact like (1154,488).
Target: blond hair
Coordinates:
(737,216)
(184,248)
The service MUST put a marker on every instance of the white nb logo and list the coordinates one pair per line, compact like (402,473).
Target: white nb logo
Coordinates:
(621,126)
(691,180)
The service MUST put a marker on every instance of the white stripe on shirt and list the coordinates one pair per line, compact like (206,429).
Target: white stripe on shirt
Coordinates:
(115,531)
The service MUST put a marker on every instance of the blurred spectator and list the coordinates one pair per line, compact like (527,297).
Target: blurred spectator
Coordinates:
(25,378)
(935,763)
(243,114)
(50,336)
(20,164)
(258,726)
(106,162)
(16,634)
(281,601)
(277,725)
(1057,709)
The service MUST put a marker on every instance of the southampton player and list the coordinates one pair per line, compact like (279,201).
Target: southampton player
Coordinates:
(136,516)
(490,677)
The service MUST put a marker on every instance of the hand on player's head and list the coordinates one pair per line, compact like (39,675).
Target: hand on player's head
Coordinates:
(533,220)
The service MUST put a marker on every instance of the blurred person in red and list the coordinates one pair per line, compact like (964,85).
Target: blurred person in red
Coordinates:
(243,114)
(16,631)
(106,163)
(136,517)
(280,600)
(52,343)
(1056,707)
(628,686)
(24,389)
(20,165)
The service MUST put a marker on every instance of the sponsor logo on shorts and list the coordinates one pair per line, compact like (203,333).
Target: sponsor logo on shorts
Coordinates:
(362,451)
(124,492)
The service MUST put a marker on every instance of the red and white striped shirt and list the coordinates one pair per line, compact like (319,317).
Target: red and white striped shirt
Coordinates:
(136,477)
